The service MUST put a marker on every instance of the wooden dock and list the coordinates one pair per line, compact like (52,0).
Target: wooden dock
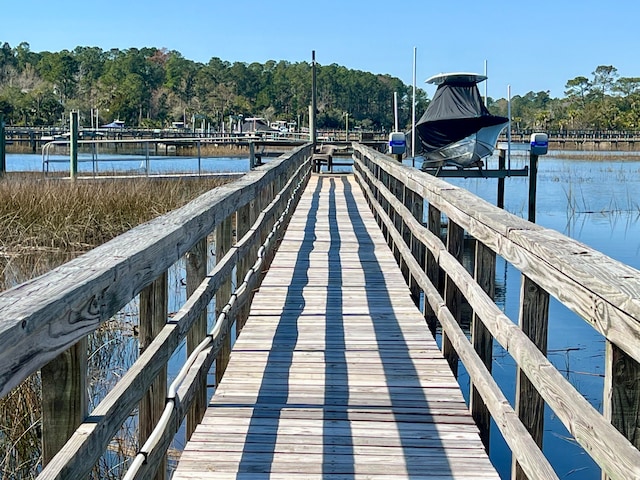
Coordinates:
(335,375)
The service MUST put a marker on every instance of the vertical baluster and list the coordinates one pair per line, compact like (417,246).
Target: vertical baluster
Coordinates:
(153,317)
(622,393)
(196,266)
(452,295)
(485,275)
(224,241)
(64,398)
(534,320)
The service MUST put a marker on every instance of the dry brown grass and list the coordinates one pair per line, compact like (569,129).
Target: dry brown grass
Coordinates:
(48,214)
(45,222)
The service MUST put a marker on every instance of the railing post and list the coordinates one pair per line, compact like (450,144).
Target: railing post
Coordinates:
(485,276)
(415,203)
(534,320)
(432,268)
(196,266)
(243,225)
(153,317)
(224,241)
(622,393)
(452,295)
(3,148)
(64,398)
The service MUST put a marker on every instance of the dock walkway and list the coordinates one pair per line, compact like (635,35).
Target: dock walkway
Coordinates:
(335,375)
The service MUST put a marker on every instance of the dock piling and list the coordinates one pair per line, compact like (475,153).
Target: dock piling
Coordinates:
(3,155)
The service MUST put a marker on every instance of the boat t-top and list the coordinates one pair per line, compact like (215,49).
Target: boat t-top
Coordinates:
(457,129)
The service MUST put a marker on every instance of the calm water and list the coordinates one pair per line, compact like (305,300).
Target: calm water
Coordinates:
(132,164)
(595,201)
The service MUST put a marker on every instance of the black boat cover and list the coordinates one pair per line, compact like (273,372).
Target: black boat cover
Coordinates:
(456,111)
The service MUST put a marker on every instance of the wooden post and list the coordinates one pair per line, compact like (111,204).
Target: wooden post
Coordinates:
(452,295)
(485,275)
(252,156)
(501,165)
(153,317)
(416,206)
(533,179)
(243,225)
(196,263)
(432,268)
(534,319)
(223,244)
(73,147)
(622,393)
(64,398)
(314,106)
(3,151)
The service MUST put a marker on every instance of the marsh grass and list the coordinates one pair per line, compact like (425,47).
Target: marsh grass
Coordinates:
(45,223)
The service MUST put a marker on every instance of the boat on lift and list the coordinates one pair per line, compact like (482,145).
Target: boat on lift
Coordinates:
(457,128)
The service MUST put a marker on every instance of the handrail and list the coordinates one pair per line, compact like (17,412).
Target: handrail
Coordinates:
(45,316)
(570,271)
(211,345)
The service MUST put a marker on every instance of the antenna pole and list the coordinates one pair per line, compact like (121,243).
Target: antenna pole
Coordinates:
(509,127)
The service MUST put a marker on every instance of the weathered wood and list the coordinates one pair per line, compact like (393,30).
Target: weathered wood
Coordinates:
(72,300)
(153,318)
(196,269)
(604,292)
(77,457)
(224,241)
(515,434)
(452,295)
(64,398)
(244,222)
(616,455)
(622,393)
(433,271)
(325,373)
(485,276)
(416,206)
(534,319)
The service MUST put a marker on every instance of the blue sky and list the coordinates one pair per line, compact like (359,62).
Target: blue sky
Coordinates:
(532,46)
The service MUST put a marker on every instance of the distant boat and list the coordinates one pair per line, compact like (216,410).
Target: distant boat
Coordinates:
(457,129)
(114,124)
(255,126)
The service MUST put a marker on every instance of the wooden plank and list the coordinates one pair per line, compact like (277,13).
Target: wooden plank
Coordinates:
(153,318)
(196,269)
(335,372)
(43,317)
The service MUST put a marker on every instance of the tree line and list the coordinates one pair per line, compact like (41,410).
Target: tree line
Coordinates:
(603,101)
(151,87)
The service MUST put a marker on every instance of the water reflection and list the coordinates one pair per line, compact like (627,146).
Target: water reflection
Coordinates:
(594,201)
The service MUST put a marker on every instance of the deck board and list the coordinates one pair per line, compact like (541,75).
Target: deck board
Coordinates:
(335,374)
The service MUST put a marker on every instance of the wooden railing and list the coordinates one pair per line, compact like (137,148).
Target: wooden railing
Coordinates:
(44,323)
(604,292)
